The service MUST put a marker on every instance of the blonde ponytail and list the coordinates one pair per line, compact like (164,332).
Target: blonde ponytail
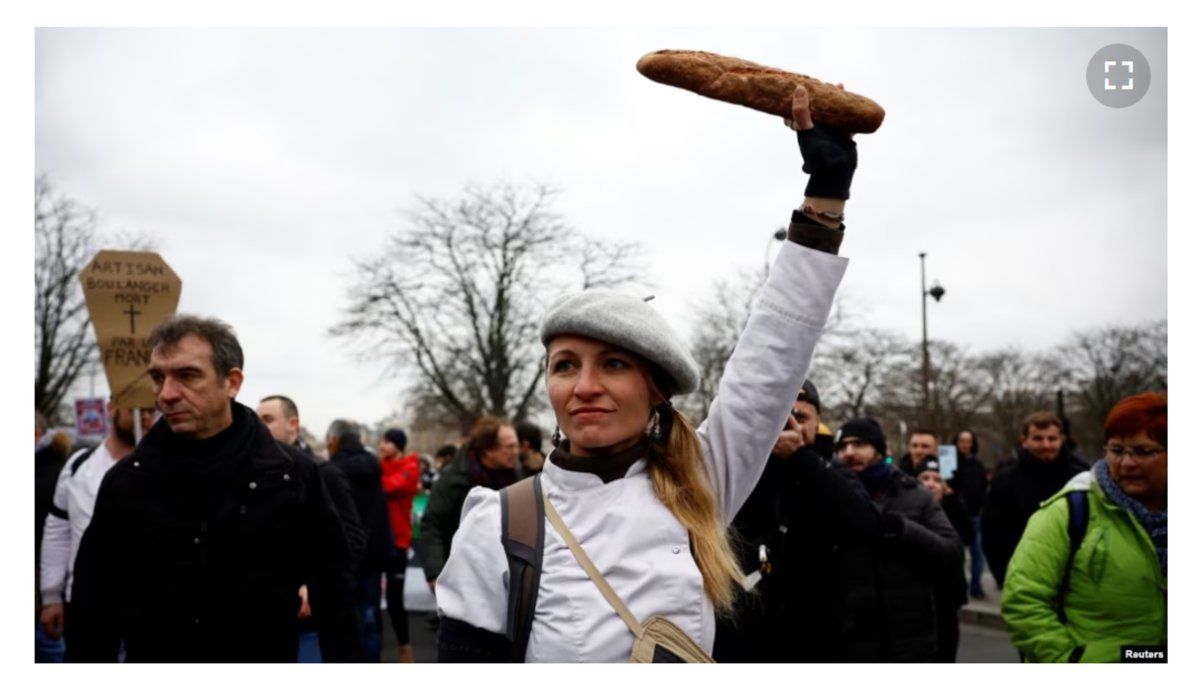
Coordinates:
(681,482)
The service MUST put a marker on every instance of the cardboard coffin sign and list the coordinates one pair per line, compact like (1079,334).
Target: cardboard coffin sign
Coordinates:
(128,294)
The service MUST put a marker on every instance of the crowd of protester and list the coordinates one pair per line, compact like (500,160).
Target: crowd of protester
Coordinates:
(761,534)
(842,555)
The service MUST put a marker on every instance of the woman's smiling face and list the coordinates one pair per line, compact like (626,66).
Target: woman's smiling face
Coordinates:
(600,393)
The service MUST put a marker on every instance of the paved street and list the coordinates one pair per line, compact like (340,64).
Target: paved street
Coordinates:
(980,644)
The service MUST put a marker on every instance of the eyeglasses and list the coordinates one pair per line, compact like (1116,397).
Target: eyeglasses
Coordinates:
(1138,453)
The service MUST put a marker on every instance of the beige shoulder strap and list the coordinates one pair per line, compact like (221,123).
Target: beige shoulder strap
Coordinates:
(609,594)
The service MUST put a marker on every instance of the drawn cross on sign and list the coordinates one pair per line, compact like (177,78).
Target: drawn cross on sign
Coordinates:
(127,294)
(131,313)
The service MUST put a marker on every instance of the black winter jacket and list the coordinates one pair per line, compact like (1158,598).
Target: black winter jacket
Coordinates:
(970,483)
(1016,493)
(918,552)
(365,476)
(197,550)
(818,601)
(343,502)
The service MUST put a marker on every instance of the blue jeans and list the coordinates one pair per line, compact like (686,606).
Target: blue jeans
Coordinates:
(977,561)
(370,591)
(45,648)
(310,648)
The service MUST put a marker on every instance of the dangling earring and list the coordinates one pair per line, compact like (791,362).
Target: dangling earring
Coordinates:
(557,437)
(655,428)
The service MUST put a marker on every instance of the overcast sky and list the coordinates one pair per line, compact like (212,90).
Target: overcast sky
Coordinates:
(263,160)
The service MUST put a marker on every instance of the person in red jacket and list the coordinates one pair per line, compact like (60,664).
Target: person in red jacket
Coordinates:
(401,482)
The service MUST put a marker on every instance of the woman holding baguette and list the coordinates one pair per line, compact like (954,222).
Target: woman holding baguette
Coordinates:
(631,488)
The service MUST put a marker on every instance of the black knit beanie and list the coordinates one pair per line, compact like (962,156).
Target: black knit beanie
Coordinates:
(397,437)
(866,428)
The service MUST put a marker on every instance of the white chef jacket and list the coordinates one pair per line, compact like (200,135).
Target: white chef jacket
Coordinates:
(74,495)
(634,540)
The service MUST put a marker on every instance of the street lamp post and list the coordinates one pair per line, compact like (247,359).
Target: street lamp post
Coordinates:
(936,292)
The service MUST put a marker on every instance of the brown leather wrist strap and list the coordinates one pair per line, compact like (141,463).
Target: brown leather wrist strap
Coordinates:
(812,234)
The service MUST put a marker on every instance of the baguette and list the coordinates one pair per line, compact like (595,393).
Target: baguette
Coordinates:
(762,88)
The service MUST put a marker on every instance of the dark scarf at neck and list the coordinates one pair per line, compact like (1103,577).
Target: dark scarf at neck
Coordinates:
(1155,523)
(198,468)
(607,466)
(875,477)
(1051,470)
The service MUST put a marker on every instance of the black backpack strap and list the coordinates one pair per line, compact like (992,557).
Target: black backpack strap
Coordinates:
(1077,522)
(523,534)
(80,459)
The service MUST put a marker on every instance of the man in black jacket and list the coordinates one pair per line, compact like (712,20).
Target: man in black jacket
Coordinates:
(282,418)
(488,459)
(804,538)
(917,550)
(1041,469)
(362,469)
(202,537)
(970,483)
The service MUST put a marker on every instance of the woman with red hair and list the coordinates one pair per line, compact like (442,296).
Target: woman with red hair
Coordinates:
(1090,573)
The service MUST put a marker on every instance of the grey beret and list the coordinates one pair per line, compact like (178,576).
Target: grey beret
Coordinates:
(626,322)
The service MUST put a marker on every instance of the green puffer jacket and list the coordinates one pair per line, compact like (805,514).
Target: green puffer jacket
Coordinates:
(1117,593)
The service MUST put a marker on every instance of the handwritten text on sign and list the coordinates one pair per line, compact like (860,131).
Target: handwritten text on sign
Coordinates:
(128,294)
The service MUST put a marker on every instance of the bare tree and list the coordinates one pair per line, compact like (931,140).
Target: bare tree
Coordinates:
(455,299)
(1016,383)
(956,391)
(64,235)
(719,321)
(850,368)
(1105,365)
(866,371)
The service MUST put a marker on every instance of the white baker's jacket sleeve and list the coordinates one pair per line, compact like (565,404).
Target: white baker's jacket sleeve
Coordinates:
(56,541)
(767,369)
(473,586)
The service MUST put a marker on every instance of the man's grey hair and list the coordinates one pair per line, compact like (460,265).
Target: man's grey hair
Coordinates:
(341,428)
(226,351)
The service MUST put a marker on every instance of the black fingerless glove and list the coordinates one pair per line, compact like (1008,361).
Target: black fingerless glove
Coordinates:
(830,158)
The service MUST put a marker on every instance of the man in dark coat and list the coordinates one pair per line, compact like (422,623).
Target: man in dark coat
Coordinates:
(918,548)
(202,537)
(488,459)
(282,418)
(362,469)
(1041,469)
(970,484)
(805,540)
